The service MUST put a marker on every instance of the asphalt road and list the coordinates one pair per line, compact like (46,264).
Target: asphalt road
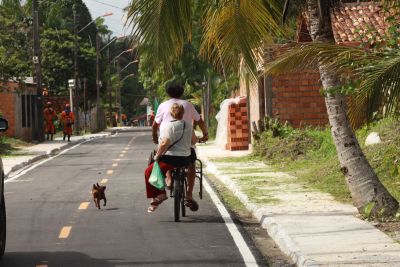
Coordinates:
(52,220)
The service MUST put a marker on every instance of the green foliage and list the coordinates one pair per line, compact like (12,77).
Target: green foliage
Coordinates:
(310,154)
(14,42)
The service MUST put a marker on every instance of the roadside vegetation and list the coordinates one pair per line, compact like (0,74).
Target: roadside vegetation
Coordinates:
(310,155)
(11,146)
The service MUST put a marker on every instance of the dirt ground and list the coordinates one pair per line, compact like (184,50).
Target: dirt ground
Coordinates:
(392,229)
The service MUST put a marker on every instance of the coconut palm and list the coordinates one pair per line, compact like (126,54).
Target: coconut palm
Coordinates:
(228,28)
(238,27)
(364,185)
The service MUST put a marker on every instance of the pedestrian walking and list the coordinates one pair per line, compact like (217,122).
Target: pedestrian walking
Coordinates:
(50,116)
(67,120)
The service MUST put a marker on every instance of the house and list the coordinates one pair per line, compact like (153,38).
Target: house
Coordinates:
(295,97)
(17,105)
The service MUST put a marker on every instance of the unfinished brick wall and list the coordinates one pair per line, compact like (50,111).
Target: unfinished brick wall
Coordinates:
(297,99)
(7,109)
(238,133)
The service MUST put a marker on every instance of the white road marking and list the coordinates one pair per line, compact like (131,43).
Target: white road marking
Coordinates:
(44,161)
(248,257)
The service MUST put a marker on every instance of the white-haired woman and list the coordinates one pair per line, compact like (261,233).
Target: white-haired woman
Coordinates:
(173,152)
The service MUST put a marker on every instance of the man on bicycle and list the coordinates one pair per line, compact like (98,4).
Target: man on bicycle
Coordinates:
(191,116)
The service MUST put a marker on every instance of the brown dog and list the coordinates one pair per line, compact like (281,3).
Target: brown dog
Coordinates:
(98,194)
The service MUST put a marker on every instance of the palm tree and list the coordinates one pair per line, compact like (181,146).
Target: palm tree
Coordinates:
(364,185)
(238,27)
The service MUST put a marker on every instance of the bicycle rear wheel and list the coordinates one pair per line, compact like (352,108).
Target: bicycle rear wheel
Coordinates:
(183,194)
(177,195)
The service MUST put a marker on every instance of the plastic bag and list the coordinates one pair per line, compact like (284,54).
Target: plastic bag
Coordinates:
(157,177)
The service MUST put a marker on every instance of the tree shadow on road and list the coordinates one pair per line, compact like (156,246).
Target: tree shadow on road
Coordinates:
(77,259)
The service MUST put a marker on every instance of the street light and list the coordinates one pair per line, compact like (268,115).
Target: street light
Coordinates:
(76,69)
(111,41)
(119,88)
(130,63)
(101,16)
(120,54)
(127,76)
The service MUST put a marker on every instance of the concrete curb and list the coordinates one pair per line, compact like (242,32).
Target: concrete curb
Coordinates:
(274,229)
(51,153)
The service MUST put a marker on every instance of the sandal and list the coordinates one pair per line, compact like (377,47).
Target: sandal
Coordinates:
(191,204)
(156,202)
(152,208)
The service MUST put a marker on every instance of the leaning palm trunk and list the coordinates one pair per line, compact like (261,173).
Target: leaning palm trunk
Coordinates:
(364,185)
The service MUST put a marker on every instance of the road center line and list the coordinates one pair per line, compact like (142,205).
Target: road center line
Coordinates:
(104,181)
(121,155)
(65,231)
(83,206)
(109,172)
(115,164)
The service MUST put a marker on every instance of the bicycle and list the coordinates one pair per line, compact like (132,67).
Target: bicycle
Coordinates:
(178,190)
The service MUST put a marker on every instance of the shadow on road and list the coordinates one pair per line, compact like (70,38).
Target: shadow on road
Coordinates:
(77,259)
(199,219)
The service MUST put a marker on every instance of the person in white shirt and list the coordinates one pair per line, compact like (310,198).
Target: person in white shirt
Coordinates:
(173,151)
(191,116)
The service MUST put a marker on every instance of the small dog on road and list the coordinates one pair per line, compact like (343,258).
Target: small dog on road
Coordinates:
(98,194)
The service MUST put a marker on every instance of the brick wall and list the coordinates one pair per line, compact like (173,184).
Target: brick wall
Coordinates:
(297,99)
(58,102)
(7,108)
(238,134)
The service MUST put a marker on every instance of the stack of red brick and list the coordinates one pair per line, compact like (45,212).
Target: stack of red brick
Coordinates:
(238,131)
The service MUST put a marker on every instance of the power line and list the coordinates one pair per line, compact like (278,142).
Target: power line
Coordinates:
(108,4)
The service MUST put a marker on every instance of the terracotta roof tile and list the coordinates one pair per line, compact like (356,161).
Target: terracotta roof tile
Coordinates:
(351,22)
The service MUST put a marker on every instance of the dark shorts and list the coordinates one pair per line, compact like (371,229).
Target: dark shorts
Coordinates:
(193,156)
(176,160)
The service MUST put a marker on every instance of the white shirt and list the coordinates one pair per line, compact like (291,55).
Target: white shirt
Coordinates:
(163,115)
(173,132)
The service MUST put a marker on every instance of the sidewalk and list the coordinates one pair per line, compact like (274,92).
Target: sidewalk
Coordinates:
(43,150)
(310,227)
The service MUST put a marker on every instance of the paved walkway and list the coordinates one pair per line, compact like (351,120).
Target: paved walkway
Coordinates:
(310,227)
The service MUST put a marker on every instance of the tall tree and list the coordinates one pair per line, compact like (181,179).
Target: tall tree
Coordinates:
(232,28)
(364,185)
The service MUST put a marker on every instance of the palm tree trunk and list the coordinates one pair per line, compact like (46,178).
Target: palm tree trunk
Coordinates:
(363,183)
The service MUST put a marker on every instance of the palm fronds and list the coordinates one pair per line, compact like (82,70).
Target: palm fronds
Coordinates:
(162,25)
(237,28)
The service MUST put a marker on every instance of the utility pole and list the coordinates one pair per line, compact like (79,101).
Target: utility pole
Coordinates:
(39,130)
(76,70)
(109,85)
(97,82)
(119,92)
(84,100)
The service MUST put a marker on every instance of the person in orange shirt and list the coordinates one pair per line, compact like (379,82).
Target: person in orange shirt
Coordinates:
(124,119)
(67,119)
(49,117)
